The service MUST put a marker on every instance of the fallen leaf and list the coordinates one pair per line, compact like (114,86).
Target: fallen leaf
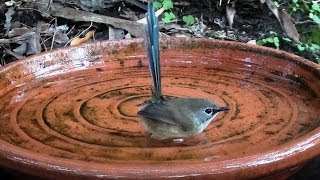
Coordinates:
(220,21)
(252,42)
(33,44)
(8,15)
(61,38)
(198,28)
(273,8)
(18,31)
(231,12)
(288,26)
(285,21)
(115,33)
(21,50)
(13,54)
(9,3)
(78,40)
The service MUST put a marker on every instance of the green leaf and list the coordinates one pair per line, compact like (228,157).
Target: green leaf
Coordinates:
(316,19)
(168,17)
(167,4)
(166,20)
(315,7)
(269,39)
(276,4)
(295,1)
(300,47)
(189,20)
(172,15)
(157,5)
(276,42)
(311,15)
(261,42)
(315,46)
(312,48)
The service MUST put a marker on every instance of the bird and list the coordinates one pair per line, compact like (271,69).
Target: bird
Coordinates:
(171,117)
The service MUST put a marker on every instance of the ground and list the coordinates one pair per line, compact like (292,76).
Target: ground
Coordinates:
(28,26)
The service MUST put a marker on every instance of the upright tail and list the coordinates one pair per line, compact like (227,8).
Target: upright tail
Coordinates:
(152,33)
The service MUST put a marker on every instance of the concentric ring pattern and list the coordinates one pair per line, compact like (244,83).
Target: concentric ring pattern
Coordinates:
(90,113)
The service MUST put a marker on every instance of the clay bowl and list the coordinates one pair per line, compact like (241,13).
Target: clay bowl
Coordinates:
(71,113)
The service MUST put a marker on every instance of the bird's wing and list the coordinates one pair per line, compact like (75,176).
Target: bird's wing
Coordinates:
(167,113)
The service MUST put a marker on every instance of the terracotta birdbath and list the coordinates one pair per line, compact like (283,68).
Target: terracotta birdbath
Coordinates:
(72,112)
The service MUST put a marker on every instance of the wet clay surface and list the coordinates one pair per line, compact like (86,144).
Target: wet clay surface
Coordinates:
(83,105)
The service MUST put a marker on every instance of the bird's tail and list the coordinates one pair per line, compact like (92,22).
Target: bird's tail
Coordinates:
(152,33)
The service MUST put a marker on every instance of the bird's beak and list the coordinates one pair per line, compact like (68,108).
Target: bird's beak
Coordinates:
(225,108)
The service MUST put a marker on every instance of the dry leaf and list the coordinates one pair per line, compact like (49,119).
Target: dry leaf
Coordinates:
(22,49)
(288,26)
(8,15)
(61,38)
(254,42)
(78,40)
(198,28)
(262,1)
(18,31)
(273,8)
(222,22)
(285,21)
(115,33)
(231,12)
(13,54)
(33,44)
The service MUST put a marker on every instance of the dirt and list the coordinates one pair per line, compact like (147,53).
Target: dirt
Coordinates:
(253,21)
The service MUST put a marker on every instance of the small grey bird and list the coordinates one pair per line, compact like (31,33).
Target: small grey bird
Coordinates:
(166,117)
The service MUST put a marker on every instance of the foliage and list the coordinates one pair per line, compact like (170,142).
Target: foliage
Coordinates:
(189,19)
(312,8)
(169,16)
(274,40)
(309,34)
(167,5)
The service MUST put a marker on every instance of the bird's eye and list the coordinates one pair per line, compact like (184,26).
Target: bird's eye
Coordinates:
(208,111)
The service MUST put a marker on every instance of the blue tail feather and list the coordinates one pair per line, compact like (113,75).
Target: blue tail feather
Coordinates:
(152,33)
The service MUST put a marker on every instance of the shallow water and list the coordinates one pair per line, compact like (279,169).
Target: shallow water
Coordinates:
(90,113)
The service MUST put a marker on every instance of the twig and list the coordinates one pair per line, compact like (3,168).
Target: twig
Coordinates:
(16,39)
(49,5)
(71,29)
(44,45)
(132,27)
(13,54)
(304,22)
(54,33)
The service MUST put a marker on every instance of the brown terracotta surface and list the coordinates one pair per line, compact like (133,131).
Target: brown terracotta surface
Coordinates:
(72,112)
